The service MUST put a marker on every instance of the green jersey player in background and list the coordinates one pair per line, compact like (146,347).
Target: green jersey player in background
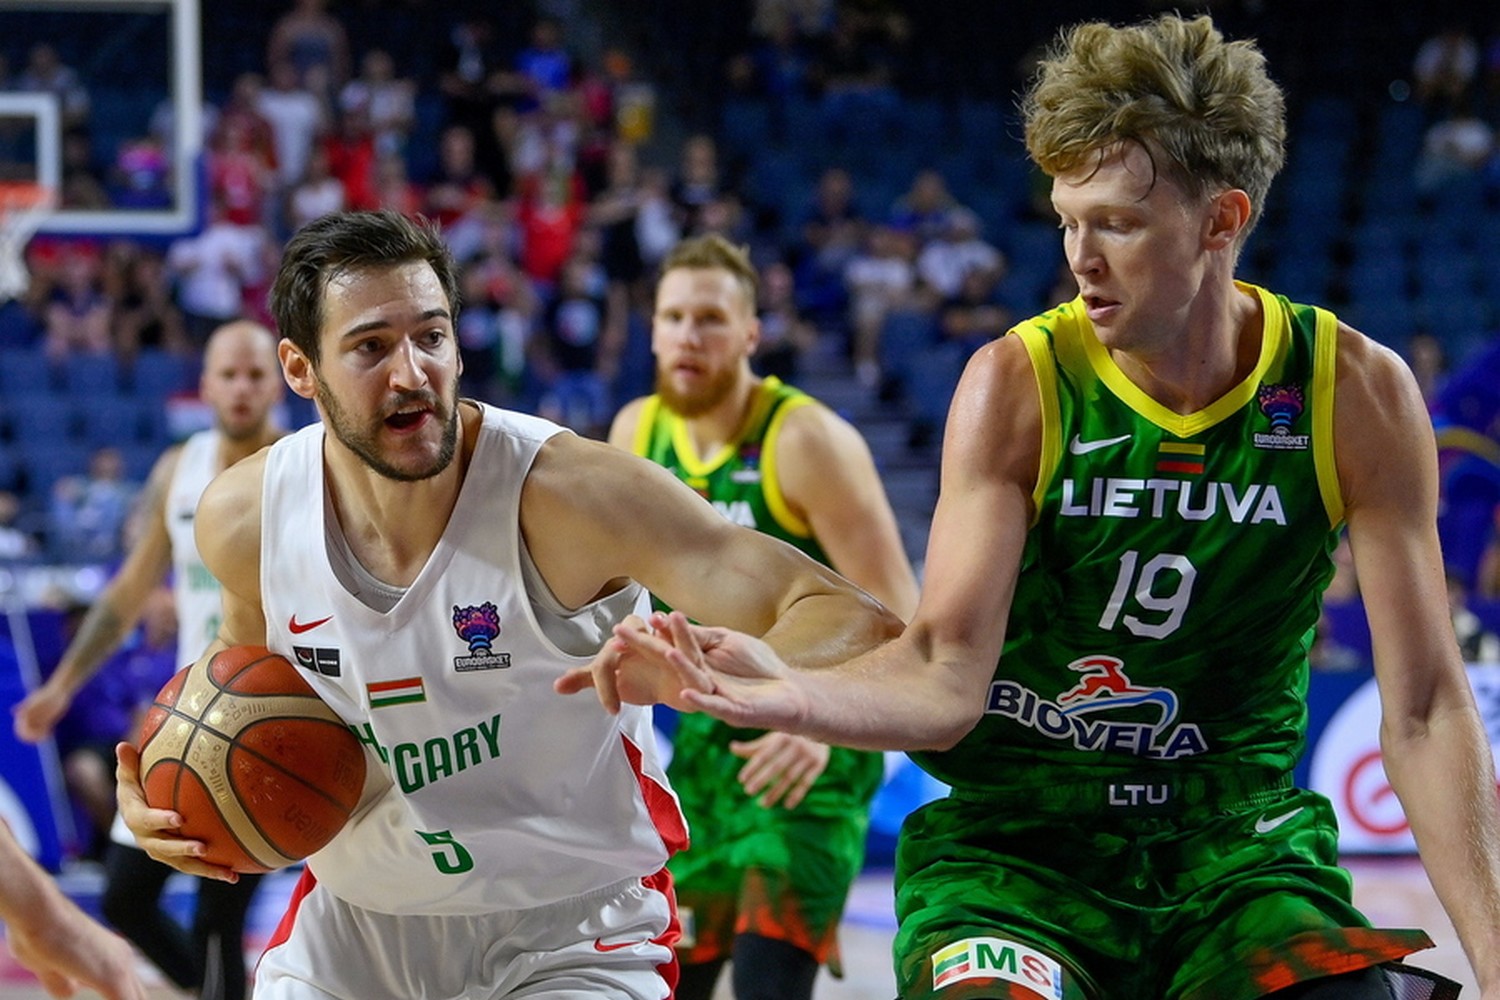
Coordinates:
(1140,492)
(775,852)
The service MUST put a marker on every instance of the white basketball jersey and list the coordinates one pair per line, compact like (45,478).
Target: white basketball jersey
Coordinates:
(487,790)
(196,592)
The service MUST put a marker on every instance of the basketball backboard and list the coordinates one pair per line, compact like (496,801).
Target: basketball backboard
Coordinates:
(138,124)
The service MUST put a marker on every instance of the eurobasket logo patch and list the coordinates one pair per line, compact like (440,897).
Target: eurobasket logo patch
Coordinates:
(750,460)
(478,626)
(994,958)
(1282,405)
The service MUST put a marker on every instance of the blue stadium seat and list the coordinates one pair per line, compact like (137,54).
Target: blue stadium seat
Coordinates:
(1302,273)
(159,374)
(10,469)
(1391,319)
(904,334)
(771,173)
(922,123)
(745,125)
(1377,276)
(40,420)
(44,463)
(1445,270)
(119,421)
(981,122)
(931,381)
(26,371)
(1453,319)
(139,459)
(1329,116)
(1398,134)
(19,329)
(1034,253)
(803,122)
(1381,234)
(91,375)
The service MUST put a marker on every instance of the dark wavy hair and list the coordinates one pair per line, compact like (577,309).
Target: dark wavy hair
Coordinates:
(342,242)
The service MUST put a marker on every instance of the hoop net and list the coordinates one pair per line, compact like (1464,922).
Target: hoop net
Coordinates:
(23,207)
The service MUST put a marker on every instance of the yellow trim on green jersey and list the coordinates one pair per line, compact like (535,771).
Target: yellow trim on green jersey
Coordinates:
(771,472)
(641,443)
(1325,350)
(745,469)
(1040,352)
(687,451)
(1272,347)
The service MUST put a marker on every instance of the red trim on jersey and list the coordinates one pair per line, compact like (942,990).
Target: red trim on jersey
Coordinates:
(670,969)
(1173,465)
(283,929)
(661,804)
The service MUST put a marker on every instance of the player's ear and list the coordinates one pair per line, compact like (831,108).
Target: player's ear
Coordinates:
(1228,218)
(297,369)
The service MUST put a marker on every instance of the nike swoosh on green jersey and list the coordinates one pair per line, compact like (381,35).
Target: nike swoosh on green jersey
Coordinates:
(1078,446)
(1264,825)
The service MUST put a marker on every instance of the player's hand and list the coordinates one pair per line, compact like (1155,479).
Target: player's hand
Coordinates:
(730,675)
(782,765)
(67,951)
(155,830)
(619,675)
(37,715)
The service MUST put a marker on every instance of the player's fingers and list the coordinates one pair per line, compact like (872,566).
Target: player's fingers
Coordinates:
(169,854)
(757,772)
(750,748)
(654,649)
(683,637)
(799,789)
(128,792)
(575,680)
(34,719)
(600,675)
(784,782)
(130,988)
(56,984)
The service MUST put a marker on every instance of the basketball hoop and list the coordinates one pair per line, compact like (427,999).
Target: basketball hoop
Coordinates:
(23,207)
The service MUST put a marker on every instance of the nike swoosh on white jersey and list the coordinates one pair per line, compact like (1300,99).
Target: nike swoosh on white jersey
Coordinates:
(1264,825)
(1078,446)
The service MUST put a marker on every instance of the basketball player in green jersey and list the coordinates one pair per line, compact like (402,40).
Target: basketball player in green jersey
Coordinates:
(773,854)
(1140,492)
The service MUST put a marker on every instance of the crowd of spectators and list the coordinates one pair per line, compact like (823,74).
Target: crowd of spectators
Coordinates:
(560,182)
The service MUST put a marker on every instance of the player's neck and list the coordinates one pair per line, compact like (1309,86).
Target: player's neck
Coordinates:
(1216,348)
(713,429)
(393,526)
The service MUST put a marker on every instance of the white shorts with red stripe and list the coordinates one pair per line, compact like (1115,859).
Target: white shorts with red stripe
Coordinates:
(614,944)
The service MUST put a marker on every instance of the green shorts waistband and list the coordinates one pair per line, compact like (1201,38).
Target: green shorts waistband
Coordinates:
(1141,794)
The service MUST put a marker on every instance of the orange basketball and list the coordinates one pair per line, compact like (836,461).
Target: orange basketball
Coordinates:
(259,768)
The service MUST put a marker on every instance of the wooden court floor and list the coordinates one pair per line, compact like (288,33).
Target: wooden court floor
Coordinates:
(1393,892)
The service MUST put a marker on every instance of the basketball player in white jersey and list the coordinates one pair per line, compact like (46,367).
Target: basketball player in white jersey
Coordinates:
(241,382)
(435,566)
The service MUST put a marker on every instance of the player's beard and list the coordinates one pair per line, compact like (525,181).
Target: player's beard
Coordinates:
(363,442)
(693,404)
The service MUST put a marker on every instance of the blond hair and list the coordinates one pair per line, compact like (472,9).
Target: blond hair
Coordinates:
(712,252)
(1204,109)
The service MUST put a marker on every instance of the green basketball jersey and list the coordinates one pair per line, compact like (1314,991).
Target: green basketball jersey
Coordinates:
(1172,578)
(740,480)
